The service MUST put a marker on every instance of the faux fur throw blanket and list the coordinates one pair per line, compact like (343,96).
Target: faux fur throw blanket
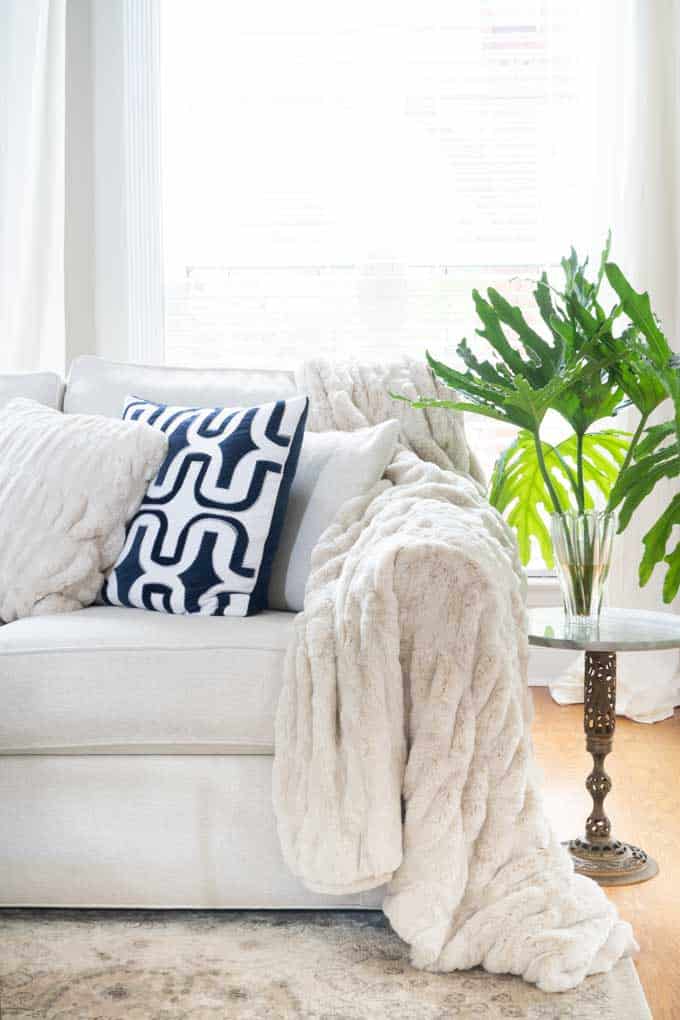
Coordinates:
(403,749)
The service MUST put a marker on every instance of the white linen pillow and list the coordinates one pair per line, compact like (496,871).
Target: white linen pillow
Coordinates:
(333,467)
(68,484)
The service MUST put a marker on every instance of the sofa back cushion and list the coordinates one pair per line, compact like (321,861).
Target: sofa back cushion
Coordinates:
(333,467)
(45,387)
(96,386)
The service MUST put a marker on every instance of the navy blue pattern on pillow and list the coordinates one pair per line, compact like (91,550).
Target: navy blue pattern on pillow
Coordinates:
(204,538)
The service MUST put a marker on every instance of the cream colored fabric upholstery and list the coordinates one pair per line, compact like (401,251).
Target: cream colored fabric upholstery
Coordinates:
(96,386)
(333,467)
(145,831)
(45,387)
(107,679)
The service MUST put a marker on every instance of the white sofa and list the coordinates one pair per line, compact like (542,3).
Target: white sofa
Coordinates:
(136,747)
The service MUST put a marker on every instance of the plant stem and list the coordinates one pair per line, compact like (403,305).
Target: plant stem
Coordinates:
(585,575)
(567,470)
(544,471)
(637,435)
(581,490)
(630,452)
(551,490)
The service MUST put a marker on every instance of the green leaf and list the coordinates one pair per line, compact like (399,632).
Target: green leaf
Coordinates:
(604,258)
(493,332)
(657,351)
(653,437)
(629,365)
(590,399)
(544,302)
(671,582)
(603,454)
(656,539)
(451,405)
(495,374)
(510,400)
(639,310)
(547,357)
(639,479)
(519,492)
(482,389)
(655,544)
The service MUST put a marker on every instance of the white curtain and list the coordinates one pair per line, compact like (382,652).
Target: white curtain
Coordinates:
(32,69)
(640,121)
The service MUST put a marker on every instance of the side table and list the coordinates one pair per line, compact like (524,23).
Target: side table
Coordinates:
(597,854)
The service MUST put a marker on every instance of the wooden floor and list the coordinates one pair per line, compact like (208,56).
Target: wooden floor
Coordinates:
(644,807)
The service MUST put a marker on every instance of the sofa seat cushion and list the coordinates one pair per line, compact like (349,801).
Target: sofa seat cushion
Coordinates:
(124,681)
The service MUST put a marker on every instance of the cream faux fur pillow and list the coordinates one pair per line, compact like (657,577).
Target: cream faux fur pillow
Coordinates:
(68,484)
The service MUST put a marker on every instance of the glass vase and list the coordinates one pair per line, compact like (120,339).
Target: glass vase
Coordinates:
(582,544)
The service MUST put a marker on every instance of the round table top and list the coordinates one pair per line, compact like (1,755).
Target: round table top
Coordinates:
(617,630)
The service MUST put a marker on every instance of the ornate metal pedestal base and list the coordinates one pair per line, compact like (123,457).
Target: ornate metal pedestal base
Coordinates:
(612,863)
(607,860)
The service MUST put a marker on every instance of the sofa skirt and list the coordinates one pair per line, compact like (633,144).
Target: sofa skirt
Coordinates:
(156,831)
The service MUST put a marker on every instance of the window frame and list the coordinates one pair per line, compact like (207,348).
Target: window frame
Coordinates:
(127,248)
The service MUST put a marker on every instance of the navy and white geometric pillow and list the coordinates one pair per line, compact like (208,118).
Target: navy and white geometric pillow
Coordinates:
(204,537)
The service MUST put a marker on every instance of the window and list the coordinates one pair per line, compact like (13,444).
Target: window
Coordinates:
(338,177)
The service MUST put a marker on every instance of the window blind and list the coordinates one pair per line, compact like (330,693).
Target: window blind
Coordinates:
(338,177)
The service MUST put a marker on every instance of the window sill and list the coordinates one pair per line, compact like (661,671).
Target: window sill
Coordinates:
(543,590)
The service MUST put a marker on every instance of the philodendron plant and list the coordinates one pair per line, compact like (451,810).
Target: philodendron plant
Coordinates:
(586,364)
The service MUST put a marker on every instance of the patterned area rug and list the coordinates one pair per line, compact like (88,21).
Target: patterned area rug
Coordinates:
(172,965)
